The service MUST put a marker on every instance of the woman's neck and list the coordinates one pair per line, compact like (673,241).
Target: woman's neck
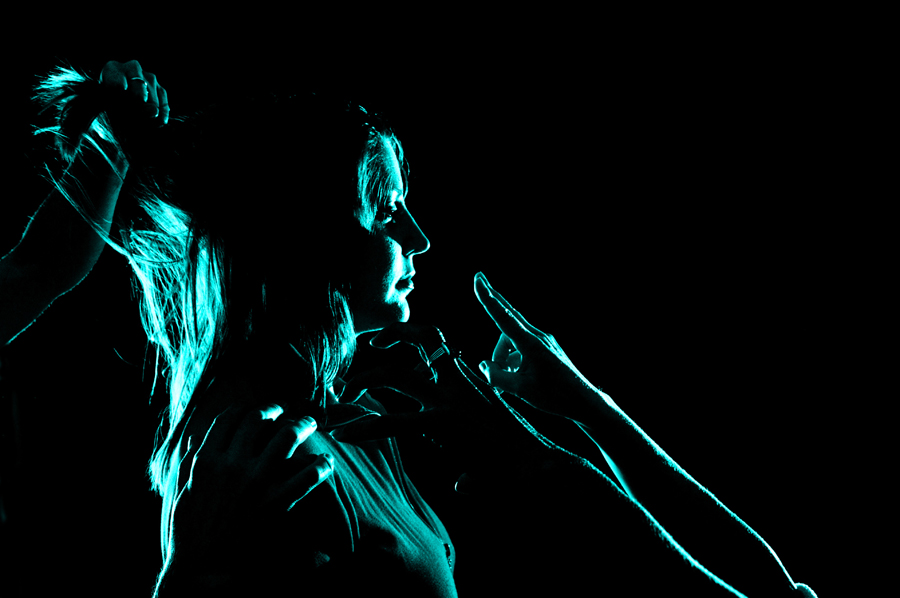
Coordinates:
(257,374)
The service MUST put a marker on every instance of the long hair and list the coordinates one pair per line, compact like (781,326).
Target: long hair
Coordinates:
(241,222)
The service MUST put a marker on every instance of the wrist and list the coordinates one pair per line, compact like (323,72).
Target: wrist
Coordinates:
(105,151)
(597,407)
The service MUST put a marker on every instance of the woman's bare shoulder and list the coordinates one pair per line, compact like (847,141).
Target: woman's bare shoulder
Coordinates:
(226,391)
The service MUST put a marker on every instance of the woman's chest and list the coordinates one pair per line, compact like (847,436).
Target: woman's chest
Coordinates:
(389,533)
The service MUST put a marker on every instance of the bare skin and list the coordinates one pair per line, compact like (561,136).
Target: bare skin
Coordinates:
(59,249)
(247,464)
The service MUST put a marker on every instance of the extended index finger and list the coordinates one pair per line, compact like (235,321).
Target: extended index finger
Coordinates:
(508,320)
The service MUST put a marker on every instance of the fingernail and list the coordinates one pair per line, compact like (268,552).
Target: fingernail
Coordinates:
(483,366)
(310,421)
(272,411)
(329,458)
(464,484)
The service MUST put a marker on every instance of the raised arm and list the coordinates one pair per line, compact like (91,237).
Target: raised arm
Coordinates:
(58,248)
(709,532)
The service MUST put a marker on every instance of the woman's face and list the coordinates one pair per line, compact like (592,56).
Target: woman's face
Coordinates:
(378,297)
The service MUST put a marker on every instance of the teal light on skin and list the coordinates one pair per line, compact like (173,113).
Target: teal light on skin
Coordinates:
(376,301)
(272,412)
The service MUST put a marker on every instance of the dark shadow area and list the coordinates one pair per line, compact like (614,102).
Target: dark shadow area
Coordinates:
(680,230)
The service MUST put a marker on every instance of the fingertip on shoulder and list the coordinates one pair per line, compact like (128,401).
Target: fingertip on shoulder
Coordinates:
(324,468)
(271,411)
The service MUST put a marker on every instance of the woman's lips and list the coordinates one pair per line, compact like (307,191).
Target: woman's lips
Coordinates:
(406,282)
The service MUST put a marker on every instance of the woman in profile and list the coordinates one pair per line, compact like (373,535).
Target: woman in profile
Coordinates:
(263,243)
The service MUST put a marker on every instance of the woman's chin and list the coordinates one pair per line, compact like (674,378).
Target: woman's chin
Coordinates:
(389,314)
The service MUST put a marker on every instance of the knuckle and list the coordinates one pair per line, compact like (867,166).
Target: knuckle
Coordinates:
(303,455)
(294,429)
(324,469)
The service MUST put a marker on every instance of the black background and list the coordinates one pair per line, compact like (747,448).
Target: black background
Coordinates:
(685,211)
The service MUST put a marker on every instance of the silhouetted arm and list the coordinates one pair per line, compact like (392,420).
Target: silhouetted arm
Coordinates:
(544,377)
(697,520)
(58,248)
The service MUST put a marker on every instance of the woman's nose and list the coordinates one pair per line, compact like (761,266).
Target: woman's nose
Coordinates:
(416,242)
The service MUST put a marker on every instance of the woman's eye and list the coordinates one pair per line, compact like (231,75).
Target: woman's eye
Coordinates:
(386,216)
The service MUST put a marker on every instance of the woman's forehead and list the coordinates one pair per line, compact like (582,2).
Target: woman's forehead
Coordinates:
(393,165)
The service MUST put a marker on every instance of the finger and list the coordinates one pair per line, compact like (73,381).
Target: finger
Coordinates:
(504,348)
(137,84)
(152,98)
(304,482)
(498,377)
(414,385)
(508,320)
(386,338)
(288,439)
(471,376)
(138,88)
(514,361)
(358,384)
(351,395)
(506,304)
(163,103)
(467,484)
(428,341)
(418,335)
(113,75)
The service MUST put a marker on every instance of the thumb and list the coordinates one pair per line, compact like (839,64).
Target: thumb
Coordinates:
(386,338)
(498,377)
(359,384)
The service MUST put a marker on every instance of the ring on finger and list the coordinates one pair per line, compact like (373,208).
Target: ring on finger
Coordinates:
(428,364)
(444,349)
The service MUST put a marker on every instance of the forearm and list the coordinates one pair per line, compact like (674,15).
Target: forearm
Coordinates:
(707,529)
(58,248)
(57,239)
